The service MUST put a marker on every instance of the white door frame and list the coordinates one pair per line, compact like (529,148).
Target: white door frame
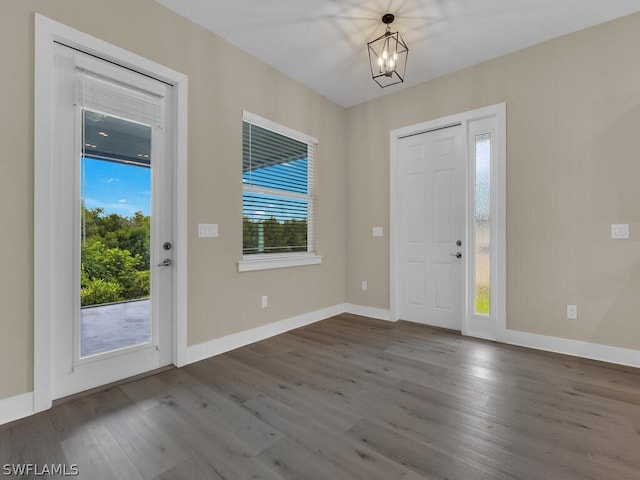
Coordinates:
(496,330)
(47,32)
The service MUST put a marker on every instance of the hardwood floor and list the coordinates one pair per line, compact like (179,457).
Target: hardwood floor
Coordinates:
(351,398)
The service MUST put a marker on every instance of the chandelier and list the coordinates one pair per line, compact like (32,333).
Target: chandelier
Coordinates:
(388,56)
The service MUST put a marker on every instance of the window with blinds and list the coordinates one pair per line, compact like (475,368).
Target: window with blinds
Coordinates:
(277,182)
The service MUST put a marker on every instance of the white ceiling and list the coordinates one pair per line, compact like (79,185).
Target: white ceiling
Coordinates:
(322,43)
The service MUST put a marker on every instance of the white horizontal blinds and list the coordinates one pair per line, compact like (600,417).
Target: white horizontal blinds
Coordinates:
(105,95)
(277,190)
(311,197)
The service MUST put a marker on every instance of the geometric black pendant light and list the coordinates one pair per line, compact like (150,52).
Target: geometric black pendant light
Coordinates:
(388,56)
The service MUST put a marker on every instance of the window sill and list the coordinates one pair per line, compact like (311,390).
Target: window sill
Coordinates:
(250,262)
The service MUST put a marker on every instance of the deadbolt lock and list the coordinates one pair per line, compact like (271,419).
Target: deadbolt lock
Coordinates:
(167,245)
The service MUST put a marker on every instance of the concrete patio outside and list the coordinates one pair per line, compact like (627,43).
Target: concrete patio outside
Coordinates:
(110,327)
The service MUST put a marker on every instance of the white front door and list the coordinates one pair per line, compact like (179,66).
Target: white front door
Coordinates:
(431,206)
(112,290)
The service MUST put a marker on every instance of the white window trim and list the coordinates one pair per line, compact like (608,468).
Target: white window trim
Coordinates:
(265,261)
(276,127)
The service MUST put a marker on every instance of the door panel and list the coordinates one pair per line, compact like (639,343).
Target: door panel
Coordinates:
(415,215)
(415,283)
(432,182)
(444,288)
(443,207)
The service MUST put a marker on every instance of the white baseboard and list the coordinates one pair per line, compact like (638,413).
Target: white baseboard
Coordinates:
(230,342)
(16,407)
(593,351)
(378,313)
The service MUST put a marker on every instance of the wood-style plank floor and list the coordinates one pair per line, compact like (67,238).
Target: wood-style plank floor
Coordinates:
(351,398)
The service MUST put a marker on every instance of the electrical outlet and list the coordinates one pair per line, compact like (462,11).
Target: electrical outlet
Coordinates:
(364,285)
(620,231)
(264,301)
(572,312)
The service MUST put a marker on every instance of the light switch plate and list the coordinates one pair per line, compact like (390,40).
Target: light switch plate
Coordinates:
(620,231)
(378,231)
(207,230)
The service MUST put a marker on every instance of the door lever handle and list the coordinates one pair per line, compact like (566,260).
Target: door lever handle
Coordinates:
(457,254)
(167,262)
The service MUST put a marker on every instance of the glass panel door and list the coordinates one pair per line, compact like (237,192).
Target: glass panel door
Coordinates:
(115,229)
(112,223)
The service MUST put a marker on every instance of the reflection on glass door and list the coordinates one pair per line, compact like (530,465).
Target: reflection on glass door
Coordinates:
(115,229)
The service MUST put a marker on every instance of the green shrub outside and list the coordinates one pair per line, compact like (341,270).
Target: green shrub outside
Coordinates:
(114,257)
(98,291)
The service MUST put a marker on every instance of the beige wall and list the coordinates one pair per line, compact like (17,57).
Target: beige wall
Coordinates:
(222,82)
(573,168)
